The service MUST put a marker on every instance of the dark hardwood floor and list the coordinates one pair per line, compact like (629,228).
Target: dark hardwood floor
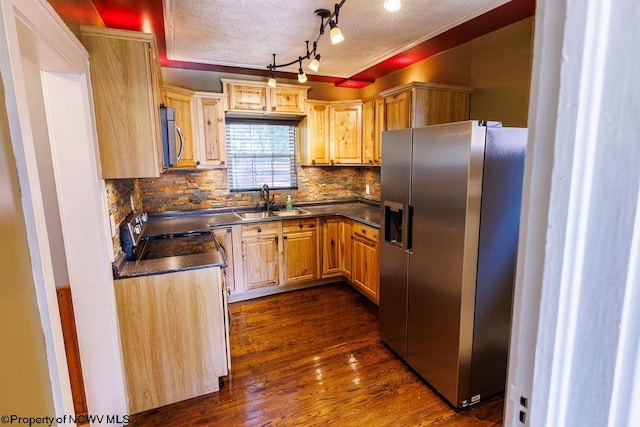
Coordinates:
(313,357)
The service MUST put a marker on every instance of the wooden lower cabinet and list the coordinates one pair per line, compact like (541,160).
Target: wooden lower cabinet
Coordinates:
(346,246)
(331,260)
(260,255)
(300,250)
(365,274)
(172,328)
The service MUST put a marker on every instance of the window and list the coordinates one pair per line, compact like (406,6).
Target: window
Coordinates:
(261,152)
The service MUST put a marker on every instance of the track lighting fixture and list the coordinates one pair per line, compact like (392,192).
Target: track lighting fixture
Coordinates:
(302,77)
(327,18)
(392,5)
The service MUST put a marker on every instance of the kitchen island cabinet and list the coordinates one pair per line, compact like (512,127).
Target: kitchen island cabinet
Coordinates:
(261,255)
(300,252)
(174,341)
(126,80)
(224,235)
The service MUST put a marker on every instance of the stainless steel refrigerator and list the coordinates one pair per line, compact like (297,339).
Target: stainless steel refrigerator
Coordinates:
(451,206)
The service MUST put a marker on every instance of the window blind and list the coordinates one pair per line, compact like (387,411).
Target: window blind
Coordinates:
(261,152)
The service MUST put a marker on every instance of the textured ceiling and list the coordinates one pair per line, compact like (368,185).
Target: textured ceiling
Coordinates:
(244,33)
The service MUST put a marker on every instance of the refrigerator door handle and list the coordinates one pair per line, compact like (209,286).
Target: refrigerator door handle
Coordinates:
(408,230)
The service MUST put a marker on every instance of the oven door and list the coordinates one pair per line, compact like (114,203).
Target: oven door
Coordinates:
(176,245)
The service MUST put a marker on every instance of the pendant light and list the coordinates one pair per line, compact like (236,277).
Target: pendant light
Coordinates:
(302,77)
(335,33)
(314,65)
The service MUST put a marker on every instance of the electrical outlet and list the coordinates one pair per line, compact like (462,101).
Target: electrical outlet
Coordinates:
(367,189)
(133,205)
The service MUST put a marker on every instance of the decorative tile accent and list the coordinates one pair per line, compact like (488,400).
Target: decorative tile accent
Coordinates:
(207,189)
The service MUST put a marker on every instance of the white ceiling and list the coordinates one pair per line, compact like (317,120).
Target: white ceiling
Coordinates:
(244,33)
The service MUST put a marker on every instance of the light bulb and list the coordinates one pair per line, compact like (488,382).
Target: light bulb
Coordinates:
(314,65)
(271,82)
(392,5)
(302,77)
(335,33)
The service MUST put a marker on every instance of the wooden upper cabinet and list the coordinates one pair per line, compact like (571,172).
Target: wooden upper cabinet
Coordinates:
(422,104)
(315,134)
(246,97)
(345,130)
(288,99)
(373,123)
(211,132)
(183,102)
(125,79)
(256,97)
(398,110)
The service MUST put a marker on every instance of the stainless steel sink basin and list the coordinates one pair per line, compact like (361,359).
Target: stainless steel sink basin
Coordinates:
(291,212)
(255,215)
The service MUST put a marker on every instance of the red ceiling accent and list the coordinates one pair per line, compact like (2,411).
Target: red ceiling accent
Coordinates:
(141,15)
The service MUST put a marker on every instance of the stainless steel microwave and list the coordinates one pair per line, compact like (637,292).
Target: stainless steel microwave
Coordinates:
(170,129)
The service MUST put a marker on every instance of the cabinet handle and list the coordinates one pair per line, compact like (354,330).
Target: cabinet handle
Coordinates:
(276,240)
(284,237)
(264,108)
(259,230)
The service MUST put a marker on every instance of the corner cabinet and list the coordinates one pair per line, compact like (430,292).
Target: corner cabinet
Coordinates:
(420,104)
(126,81)
(182,101)
(332,133)
(210,129)
(257,97)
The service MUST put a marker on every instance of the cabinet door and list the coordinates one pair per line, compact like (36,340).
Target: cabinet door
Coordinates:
(173,338)
(260,256)
(365,274)
(373,124)
(244,97)
(125,97)
(331,265)
(435,106)
(316,144)
(300,257)
(182,101)
(224,236)
(398,111)
(346,246)
(288,99)
(345,124)
(212,146)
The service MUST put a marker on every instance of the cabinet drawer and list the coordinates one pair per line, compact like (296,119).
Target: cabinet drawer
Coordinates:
(366,231)
(294,225)
(260,229)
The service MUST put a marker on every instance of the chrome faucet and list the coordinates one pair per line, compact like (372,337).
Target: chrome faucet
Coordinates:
(264,195)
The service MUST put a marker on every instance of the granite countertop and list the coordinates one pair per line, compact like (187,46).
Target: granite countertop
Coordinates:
(170,264)
(176,223)
(165,224)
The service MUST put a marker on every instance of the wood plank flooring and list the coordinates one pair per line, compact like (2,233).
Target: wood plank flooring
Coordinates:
(313,357)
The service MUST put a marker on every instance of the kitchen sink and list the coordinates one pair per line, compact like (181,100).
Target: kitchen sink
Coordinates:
(291,212)
(255,215)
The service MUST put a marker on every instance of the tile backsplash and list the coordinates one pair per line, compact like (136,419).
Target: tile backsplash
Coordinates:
(206,189)
(119,193)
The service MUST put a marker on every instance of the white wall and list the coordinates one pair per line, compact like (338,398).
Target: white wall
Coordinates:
(575,350)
